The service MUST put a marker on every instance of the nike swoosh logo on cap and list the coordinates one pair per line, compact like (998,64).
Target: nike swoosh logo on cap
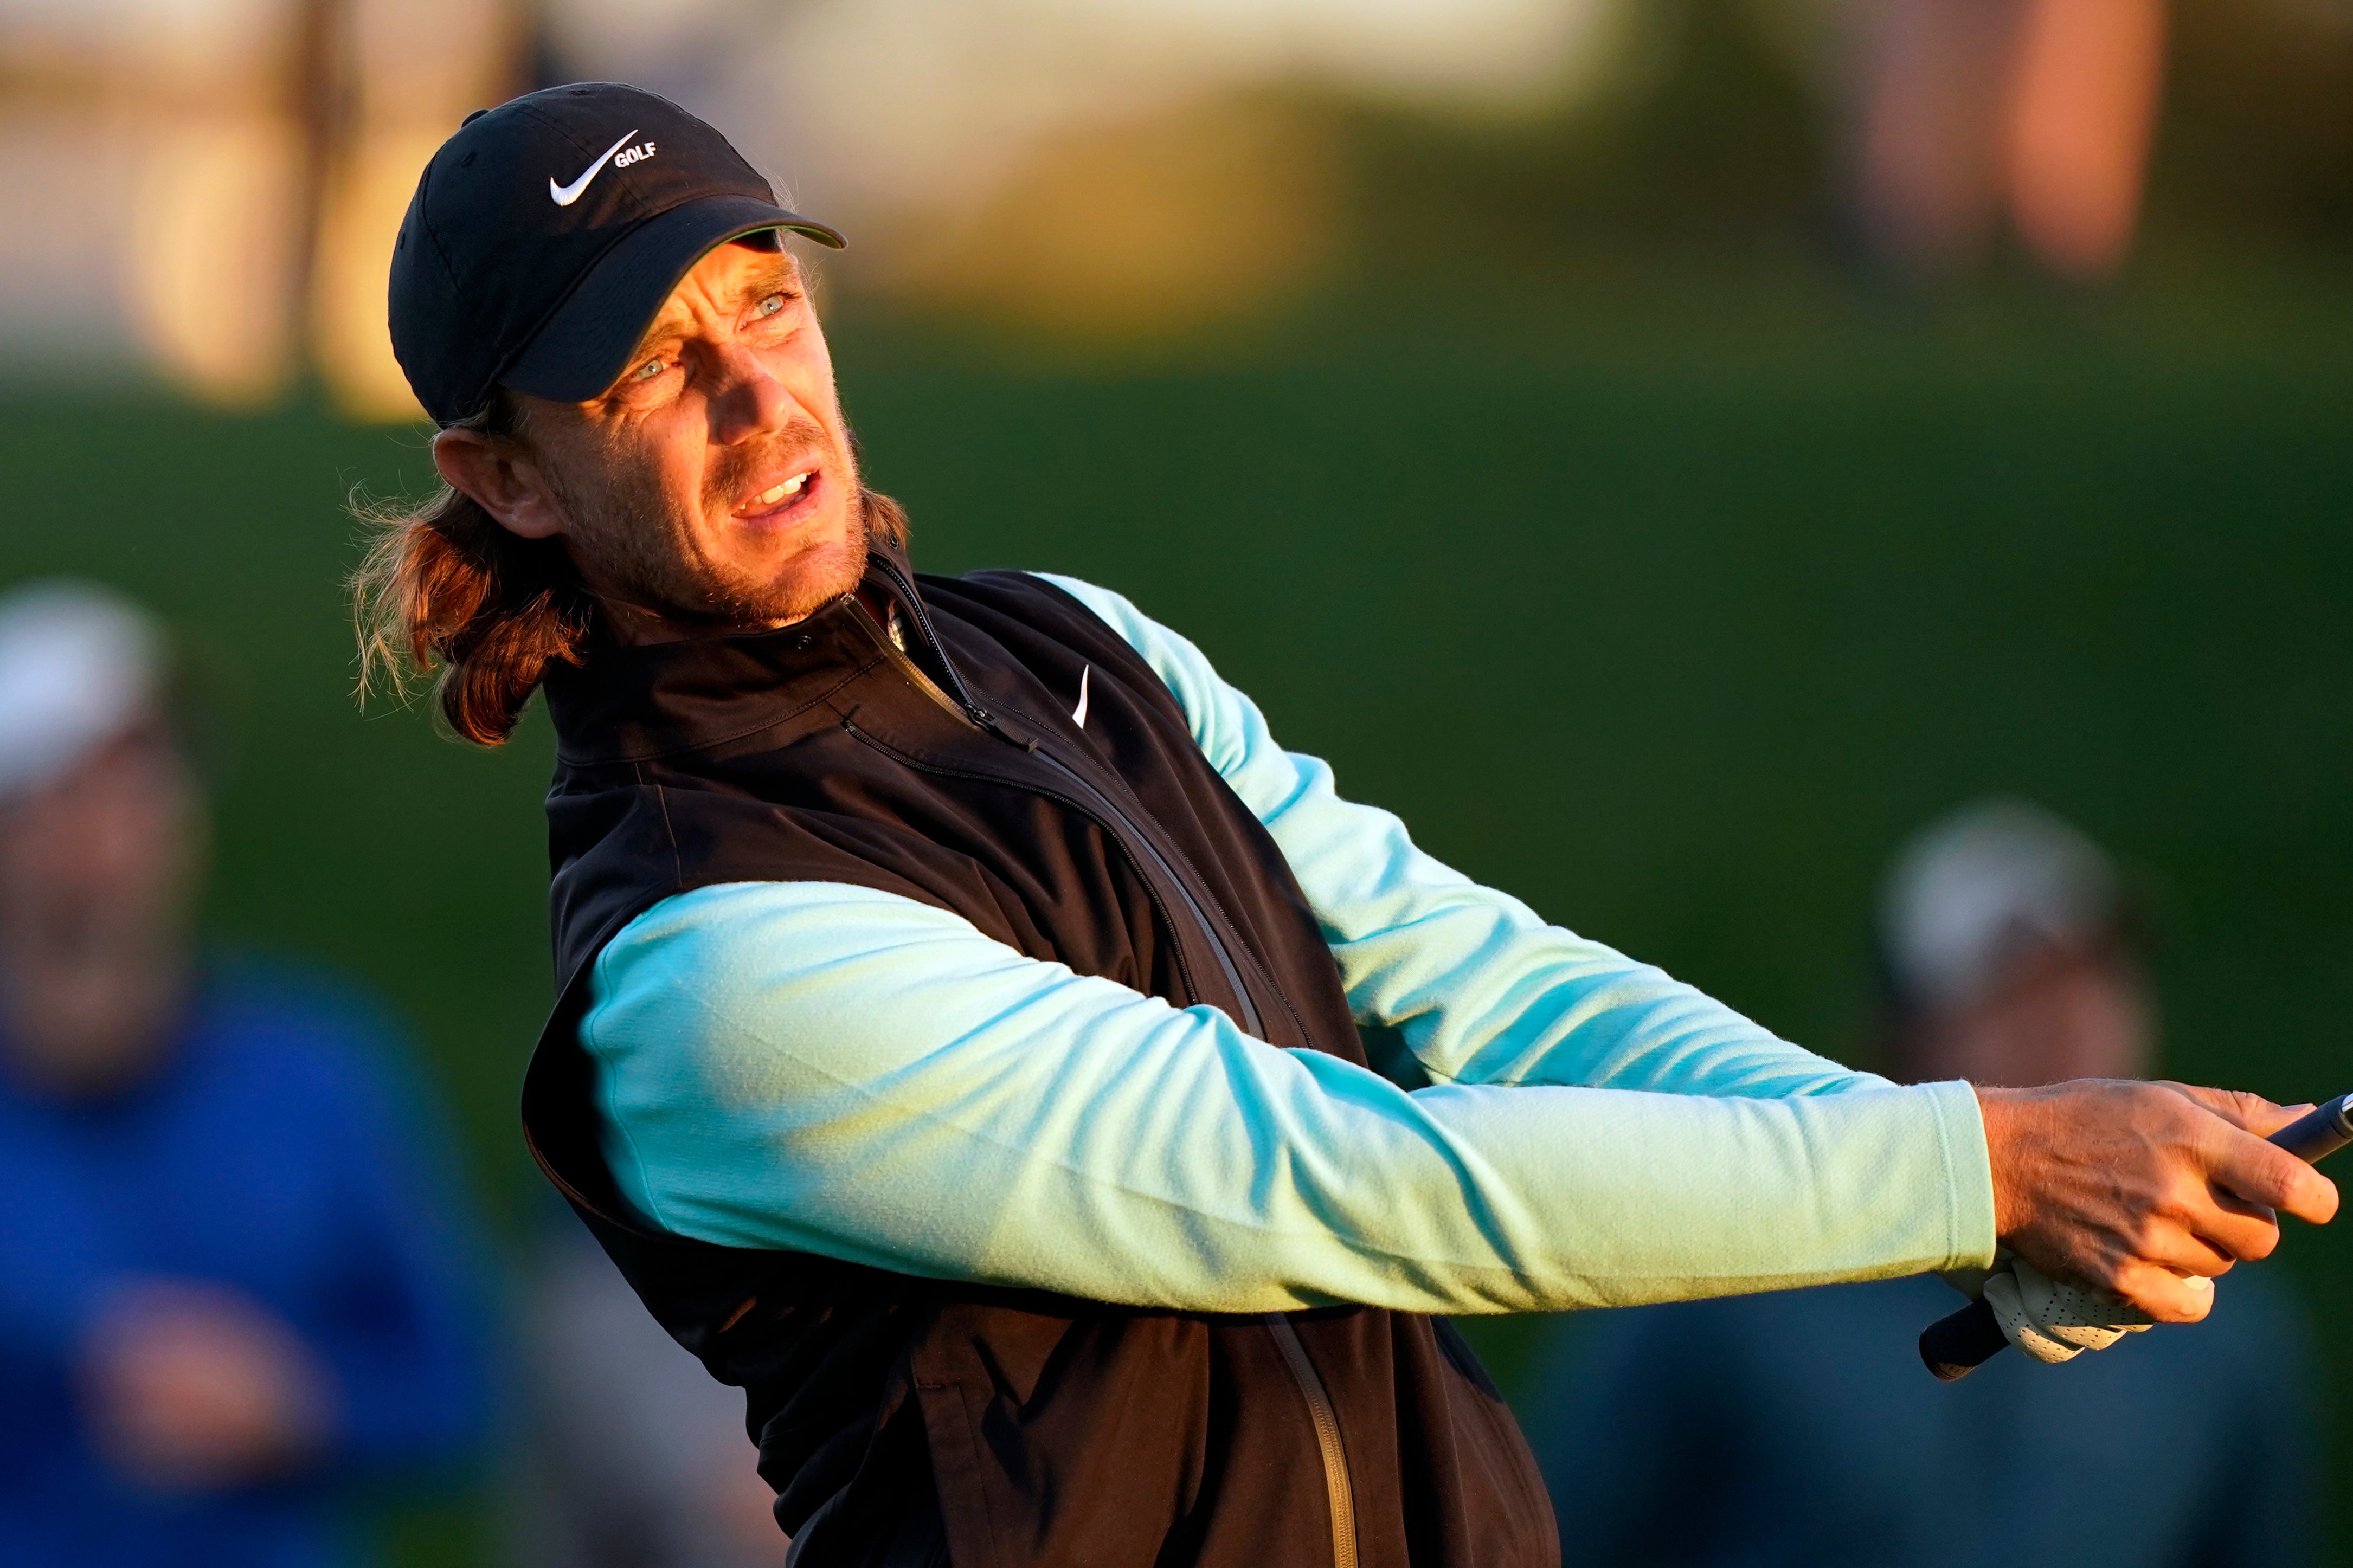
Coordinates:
(565,195)
(1080,712)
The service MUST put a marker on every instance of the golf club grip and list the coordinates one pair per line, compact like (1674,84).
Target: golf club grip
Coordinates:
(1959,1342)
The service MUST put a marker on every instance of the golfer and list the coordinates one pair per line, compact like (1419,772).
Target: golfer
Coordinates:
(958,1038)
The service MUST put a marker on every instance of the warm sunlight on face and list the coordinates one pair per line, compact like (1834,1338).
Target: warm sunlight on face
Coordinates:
(712,484)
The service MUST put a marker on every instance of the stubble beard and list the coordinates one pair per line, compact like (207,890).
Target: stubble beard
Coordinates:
(651,559)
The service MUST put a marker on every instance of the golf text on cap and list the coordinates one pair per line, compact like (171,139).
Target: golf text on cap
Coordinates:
(565,195)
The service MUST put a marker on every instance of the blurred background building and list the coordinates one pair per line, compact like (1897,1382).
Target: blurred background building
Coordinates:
(215,179)
(1665,451)
(204,187)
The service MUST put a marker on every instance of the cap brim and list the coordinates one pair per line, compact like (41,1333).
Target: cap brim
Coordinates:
(586,344)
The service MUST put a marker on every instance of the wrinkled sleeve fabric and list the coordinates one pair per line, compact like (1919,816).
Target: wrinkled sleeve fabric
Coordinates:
(1482,989)
(848,1072)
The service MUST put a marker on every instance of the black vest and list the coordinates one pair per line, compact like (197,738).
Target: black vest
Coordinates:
(906,1420)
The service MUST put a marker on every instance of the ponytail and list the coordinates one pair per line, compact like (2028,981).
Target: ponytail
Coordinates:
(445,590)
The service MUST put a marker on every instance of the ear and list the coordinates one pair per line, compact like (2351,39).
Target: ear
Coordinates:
(502,478)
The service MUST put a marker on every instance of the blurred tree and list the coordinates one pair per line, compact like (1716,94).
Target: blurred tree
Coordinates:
(1722,130)
(2256,145)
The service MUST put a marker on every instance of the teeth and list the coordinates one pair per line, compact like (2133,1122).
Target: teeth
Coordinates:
(776,493)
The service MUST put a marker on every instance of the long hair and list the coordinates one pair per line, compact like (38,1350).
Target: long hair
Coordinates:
(444,591)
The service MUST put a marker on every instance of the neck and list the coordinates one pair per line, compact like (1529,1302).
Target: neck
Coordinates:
(634,623)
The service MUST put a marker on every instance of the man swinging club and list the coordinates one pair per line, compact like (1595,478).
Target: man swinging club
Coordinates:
(957,1043)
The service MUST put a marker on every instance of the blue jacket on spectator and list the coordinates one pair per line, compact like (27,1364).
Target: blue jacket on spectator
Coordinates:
(272,1154)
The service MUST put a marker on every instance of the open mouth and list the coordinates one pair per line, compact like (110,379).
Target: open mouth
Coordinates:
(781,498)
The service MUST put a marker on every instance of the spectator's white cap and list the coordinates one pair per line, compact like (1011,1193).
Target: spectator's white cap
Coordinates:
(1980,890)
(78,663)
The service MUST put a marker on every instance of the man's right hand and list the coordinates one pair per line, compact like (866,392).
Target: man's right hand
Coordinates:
(2144,1190)
(193,1386)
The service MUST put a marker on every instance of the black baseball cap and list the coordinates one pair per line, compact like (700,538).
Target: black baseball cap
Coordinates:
(547,232)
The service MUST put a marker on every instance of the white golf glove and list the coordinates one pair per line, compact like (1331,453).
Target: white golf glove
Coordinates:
(2047,1320)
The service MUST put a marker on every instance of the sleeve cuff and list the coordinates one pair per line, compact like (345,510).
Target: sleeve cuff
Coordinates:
(1968,1173)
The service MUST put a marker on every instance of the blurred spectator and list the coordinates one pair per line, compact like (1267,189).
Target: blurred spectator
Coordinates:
(636,1458)
(1801,1428)
(1972,110)
(228,1281)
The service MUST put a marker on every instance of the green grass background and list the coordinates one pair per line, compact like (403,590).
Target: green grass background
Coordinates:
(1672,636)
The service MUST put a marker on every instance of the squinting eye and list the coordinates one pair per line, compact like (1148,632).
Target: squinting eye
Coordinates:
(771,305)
(650,369)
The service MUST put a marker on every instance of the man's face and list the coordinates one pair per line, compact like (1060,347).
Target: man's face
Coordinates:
(97,872)
(712,484)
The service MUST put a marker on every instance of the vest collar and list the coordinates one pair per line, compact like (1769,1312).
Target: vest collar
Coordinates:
(633,703)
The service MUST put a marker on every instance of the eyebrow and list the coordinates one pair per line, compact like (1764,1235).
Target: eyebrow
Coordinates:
(784,277)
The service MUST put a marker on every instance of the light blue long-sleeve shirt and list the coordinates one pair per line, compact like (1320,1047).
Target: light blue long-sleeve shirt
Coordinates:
(834,1069)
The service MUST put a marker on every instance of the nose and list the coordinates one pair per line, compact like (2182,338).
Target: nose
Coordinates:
(748,401)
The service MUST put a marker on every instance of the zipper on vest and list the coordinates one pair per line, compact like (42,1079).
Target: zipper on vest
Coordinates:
(973,710)
(1252,1024)
(1339,1493)
(1337,1489)
(1122,833)
(923,683)
(1097,804)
